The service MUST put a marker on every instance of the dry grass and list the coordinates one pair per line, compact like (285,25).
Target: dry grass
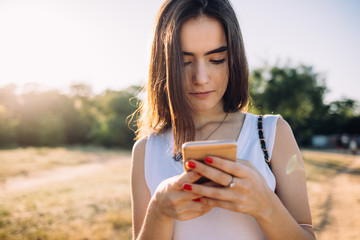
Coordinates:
(95,204)
(325,174)
(23,161)
(321,166)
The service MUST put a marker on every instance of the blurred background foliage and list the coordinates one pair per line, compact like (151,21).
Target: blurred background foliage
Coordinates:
(52,118)
(297,93)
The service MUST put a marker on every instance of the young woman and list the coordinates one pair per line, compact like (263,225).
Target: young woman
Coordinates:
(198,90)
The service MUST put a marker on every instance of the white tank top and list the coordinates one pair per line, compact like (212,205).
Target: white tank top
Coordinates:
(218,223)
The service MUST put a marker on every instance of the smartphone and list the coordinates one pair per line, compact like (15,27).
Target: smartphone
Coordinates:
(198,150)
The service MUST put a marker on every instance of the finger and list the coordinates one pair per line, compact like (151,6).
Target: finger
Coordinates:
(183,196)
(210,192)
(240,169)
(190,177)
(211,173)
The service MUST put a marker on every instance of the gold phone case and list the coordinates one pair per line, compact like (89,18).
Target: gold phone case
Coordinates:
(198,150)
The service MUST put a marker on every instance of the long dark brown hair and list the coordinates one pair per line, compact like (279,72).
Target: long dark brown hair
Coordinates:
(166,105)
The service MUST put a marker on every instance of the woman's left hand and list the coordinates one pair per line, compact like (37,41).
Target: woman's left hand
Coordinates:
(248,194)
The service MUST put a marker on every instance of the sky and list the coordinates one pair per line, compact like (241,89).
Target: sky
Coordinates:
(106,43)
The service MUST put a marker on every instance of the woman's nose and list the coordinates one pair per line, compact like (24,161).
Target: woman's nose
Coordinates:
(200,76)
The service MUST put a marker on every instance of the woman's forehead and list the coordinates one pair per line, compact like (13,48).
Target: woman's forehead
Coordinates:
(202,34)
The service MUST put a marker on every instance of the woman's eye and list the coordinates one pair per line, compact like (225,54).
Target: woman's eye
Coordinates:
(186,63)
(218,61)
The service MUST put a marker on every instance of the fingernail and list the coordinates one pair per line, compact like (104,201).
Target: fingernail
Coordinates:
(199,174)
(191,164)
(187,187)
(196,199)
(209,160)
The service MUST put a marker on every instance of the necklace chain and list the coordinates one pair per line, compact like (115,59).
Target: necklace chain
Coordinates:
(217,127)
(178,156)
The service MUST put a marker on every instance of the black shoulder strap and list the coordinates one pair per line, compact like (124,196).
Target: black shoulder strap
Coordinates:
(262,140)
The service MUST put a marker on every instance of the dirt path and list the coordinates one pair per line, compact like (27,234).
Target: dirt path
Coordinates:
(38,179)
(342,207)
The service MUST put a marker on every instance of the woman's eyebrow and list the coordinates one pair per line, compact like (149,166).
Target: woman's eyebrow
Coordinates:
(217,50)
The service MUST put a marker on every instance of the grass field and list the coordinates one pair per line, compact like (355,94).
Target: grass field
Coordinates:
(84,193)
(94,204)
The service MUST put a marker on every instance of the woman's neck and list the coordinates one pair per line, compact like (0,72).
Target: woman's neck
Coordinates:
(203,118)
(219,126)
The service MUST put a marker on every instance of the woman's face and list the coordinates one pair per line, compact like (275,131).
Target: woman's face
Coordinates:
(204,47)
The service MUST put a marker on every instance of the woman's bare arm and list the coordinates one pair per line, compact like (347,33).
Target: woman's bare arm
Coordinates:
(153,218)
(141,197)
(288,168)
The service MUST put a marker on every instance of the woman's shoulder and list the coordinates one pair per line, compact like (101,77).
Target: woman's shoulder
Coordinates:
(266,118)
(153,138)
(284,134)
(276,121)
(282,126)
(271,117)
(266,115)
(140,145)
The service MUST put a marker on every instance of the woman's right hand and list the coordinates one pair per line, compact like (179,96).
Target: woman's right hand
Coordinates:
(170,200)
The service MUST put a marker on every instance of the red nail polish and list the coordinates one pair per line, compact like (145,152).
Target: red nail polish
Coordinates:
(191,164)
(197,200)
(199,174)
(187,187)
(209,160)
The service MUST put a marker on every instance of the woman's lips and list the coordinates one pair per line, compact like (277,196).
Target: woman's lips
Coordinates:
(201,94)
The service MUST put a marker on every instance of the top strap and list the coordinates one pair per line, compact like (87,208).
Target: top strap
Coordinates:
(262,140)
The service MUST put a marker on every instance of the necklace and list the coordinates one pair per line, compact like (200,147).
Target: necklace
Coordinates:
(178,156)
(217,127)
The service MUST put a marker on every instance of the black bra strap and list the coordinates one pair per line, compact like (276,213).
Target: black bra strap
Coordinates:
(262,140)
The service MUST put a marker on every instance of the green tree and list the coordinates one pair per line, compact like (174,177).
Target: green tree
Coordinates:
(112,127)
(82,116)
(41,118)
(52,131)
(296,93)
(8,115)
(343,117)
(7,128)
